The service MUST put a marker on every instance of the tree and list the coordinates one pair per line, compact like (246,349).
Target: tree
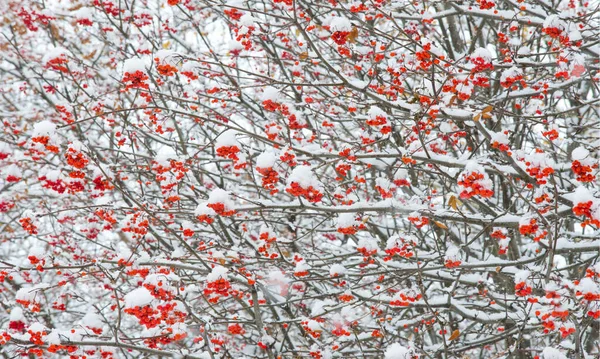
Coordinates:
(300,179)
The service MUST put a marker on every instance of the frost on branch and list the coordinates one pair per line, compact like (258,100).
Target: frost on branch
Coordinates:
(285,179)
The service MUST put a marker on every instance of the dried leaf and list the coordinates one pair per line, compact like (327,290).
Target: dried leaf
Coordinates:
(76,7)
(453,203)
(54,31)
(488,109)
(353,35)
(440,224)
(455,334)
(452,100)
(90,55)
(303,55)
(477,117)
(486,116)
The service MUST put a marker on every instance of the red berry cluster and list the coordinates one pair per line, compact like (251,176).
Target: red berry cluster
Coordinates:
(311,194)
(471,182)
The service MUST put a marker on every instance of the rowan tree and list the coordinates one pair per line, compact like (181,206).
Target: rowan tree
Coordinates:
(300,179)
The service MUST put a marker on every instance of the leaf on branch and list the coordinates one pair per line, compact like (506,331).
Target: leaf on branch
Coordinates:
(353,35)
(76,7)
(452,100)
(455,334)
(55,32)
(90,55)
(303,55)
(485,113)
(440,224)
(453,203)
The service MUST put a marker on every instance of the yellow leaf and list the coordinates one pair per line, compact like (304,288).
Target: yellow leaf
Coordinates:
(353,35)
(166,45)
(455,334)
(453,203)
(440,224)
(488,109)
(486,116)
(477,117)
(303,55)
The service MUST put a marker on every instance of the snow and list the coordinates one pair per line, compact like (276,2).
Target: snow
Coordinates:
(247,20)
(587,285)
(397,351)
(320,306)
(266,160)
(218,272)
(219,195)
(445,127)
(203,209)
(138,297)
(452,253)
(383,182)
(337,270)
(92,320)
(301,266)
(164,55)
(552,353)
(375,111)
(511,72)
(190,66)
(53,337)
(134,64)
(31,293)
(522,276)
(37,251)
(278,278)
(499,137)
(227,139)
(54,53)
(314,325)
(16,314)
(37,327)
(346,220)
(458,113)
(340,23)
(271,93)
(581,194)
(579,153)
(554,21)
(44,128)
(483,53)
(165,154)
(84,13)
(523,51)
(304,177)
(401,173)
